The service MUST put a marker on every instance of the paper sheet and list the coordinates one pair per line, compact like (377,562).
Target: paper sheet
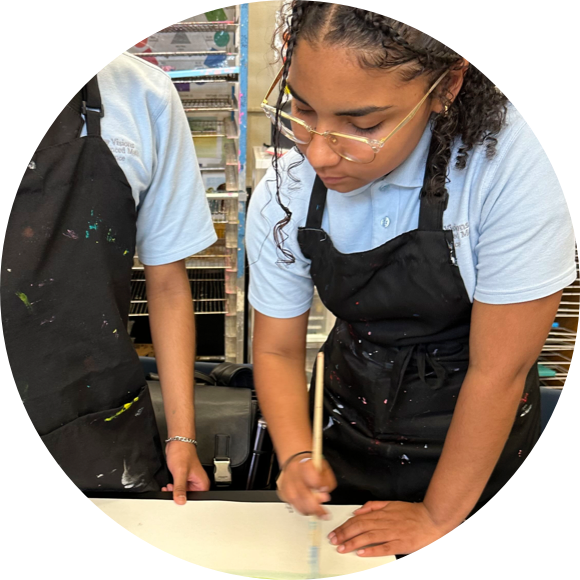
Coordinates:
(258,540)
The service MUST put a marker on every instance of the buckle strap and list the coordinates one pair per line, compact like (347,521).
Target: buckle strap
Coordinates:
(222,463)
(92,107)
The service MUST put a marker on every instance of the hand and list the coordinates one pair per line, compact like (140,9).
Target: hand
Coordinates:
(389,528)
(303,487)
(186,469)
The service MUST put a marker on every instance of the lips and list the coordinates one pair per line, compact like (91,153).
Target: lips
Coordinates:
(331,179)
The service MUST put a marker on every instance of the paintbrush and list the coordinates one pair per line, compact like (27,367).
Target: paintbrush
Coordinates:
(314,522)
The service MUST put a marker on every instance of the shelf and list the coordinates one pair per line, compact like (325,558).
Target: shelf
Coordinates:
(215,104)
(182,53)
(226,26)
(203,72)
(204,307)
(207,79)
(206,128)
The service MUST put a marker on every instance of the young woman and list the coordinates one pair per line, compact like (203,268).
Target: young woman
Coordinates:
(426,214)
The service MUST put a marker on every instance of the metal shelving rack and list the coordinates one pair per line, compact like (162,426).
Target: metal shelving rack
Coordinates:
(554,362)
(208,64)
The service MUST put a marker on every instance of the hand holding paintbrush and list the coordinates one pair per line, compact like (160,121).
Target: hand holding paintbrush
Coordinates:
(314,524)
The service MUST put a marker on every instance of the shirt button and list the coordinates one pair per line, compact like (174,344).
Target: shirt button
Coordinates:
(385,222)
(32,165)
(384,187)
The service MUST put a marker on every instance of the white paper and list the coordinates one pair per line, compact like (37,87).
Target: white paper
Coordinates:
(261,540)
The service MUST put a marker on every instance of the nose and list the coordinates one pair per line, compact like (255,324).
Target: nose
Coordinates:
(319,153)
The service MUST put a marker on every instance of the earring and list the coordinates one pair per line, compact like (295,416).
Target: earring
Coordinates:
(446,111)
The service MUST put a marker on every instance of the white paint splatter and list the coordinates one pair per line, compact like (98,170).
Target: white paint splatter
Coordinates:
(139,411)
(525,410)
(336,411)
(100,475)
(330,424)
(129,480)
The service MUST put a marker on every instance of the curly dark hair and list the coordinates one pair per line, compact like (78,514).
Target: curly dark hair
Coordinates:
(475,116)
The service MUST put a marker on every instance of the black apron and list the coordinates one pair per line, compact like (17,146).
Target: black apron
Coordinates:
(66,278)
(396,359)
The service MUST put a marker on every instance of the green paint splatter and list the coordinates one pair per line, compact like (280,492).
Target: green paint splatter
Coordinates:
(125,252)
(122,410)
(110,237)
(25,300)
(94,226)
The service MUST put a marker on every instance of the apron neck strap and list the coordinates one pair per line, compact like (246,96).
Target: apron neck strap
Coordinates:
(92,107)
(432,208)
(317,203)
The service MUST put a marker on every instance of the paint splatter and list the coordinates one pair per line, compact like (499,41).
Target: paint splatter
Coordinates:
(125,252)
(139,411)
(525,398)
(426,446)
(110,237)
(520,453)
(48,320)
(385,401)
(8,269)
(100,475)
(525,410)
(28,232)
(129,480)
(122,410)
(336,411)
(330,424)
(25,301)
(364,401)
(404,459)
(71,234)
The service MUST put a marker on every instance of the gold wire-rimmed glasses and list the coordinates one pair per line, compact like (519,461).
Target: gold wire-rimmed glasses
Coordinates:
(350,147)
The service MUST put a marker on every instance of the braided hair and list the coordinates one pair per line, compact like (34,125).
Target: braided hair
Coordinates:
(475,116)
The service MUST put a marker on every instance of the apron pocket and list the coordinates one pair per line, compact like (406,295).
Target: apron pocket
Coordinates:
(115,449)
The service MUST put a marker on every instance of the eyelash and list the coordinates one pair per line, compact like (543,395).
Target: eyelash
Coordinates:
(357,130)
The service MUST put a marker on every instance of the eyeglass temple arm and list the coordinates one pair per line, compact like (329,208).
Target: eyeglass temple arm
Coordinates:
(417,107)
(276,81)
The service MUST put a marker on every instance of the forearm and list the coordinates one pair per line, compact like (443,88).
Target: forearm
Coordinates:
(171,319)
(281,388)
(481,424)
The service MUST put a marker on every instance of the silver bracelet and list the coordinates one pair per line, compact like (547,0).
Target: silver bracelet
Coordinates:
(184,439)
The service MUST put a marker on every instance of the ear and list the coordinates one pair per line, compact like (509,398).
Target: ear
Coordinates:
(453,85)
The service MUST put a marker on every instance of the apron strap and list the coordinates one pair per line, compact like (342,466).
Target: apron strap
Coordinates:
(92,107)
(431,211)
(317,203)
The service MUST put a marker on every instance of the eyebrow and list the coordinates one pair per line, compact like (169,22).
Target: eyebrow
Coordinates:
(360,112)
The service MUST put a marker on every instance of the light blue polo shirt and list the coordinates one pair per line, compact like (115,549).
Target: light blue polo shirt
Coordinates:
(512,228)
(146,128)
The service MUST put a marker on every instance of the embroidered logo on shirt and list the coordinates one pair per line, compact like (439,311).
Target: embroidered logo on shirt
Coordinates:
(121,148)
(460,231)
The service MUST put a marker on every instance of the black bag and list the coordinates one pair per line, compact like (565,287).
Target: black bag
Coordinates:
(225,419)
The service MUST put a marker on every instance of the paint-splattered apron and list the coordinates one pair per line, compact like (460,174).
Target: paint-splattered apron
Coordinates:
(396,359)
(65,287)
